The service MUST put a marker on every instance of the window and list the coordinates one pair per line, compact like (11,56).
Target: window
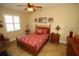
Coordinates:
(12,23)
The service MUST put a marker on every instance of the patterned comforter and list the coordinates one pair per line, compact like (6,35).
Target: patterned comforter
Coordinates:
(33,39)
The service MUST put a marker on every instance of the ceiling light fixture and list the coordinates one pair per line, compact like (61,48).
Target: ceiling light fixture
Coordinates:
(30,9)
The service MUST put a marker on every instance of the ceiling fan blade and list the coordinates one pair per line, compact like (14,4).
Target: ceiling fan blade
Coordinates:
(37,6)
(29,5)
(34,9)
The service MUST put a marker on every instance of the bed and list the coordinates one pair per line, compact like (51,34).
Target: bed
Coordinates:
(33,42)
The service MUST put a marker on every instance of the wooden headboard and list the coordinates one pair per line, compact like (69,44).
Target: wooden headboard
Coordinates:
(43,26)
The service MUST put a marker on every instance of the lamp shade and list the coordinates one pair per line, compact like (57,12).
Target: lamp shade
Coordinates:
(57,28)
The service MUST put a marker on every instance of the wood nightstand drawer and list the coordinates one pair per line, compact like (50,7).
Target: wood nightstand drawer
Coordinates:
(55,38)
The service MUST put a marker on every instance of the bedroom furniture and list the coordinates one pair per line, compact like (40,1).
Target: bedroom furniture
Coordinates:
(34,42)
(57,28)
(71,34)
(73,46)
(3,40)
(27,31)
(2,48)
(3,44)
(4,53)
(55,37)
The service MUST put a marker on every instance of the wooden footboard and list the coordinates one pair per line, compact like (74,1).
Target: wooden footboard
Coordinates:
(29,48)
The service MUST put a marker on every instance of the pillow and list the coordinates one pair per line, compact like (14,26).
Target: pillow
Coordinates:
(45,30)
(38,31)
(41,30)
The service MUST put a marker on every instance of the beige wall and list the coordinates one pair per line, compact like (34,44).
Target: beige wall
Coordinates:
(23,21)
(65,16)
(77,27)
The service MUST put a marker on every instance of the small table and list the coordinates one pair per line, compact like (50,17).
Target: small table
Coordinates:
(27,31)
(55,38)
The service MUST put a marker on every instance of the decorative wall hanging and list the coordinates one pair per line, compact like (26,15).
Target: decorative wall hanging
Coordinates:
(50,19)
(43,20)
(35,20)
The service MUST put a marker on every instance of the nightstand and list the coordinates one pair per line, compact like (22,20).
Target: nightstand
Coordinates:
(27,31)
(55,38)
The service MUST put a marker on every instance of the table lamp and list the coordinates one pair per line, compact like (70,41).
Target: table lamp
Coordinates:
(57,28)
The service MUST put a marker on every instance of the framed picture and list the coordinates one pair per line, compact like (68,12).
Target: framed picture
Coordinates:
(50,19)
(36,20)
(43,20)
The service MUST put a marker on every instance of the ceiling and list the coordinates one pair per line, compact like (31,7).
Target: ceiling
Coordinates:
(21,6)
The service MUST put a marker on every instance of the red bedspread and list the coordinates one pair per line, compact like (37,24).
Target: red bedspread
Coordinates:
(34,40)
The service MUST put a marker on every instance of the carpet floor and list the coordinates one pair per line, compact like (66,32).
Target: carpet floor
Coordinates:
(49,49)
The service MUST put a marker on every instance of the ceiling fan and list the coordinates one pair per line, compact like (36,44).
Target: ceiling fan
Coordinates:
(31,7)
